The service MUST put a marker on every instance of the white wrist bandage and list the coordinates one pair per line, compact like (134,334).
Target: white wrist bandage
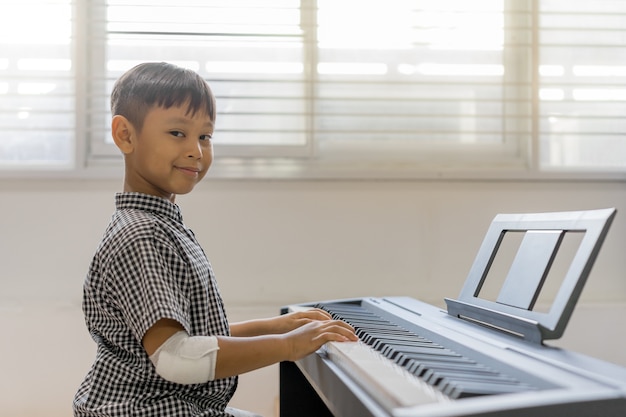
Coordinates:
(186,359)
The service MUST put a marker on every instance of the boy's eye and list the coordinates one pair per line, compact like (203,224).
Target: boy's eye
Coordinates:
(177,133)
(205,137)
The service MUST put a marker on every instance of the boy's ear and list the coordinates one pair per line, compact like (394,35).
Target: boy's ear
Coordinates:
(122,132)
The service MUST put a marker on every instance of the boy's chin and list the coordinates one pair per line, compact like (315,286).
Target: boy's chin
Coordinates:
(184,190)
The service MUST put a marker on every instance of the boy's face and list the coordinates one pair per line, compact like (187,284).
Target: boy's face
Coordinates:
(171,154)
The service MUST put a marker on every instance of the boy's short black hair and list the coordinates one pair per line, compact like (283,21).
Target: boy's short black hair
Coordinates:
(163,85)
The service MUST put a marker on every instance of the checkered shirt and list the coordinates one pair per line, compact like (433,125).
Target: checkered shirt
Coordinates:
(148,266)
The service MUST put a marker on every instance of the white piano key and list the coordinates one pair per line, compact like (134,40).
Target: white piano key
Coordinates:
(390,384)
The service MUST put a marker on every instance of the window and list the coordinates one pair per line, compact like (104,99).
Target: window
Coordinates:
(582,85)
(327,88)
(37,85)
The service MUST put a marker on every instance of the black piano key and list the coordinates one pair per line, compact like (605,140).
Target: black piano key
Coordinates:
(370,337)
(441,378)
(452,380)
(436,374)
(467,389)
(403,337)
(376,327)
(423,354)
(398,339)
(382,344)
(419,366)
(365,318)
(425,368)
(429,348)
(436,351)
(368,334)
(379,330)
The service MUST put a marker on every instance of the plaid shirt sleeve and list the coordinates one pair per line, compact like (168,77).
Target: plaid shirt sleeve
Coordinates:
(150,279)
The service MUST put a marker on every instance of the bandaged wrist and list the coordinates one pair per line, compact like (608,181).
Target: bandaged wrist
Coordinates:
(186,359)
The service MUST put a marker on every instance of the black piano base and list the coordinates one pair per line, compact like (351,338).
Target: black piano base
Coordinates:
(297,396)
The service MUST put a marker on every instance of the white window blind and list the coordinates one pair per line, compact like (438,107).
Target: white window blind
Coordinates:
(423,84)
(37,85)
(582,68)
(358,88)
(333,84)
(251,52)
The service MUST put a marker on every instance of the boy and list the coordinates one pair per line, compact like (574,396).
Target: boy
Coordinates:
(151,303)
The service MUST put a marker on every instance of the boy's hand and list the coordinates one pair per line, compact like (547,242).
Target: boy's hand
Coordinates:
(309,337)
(278,324)
(291,321)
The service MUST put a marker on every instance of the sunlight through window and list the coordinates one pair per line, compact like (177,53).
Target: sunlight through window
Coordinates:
(51,24)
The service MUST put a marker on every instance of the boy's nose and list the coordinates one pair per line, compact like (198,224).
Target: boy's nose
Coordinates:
(195,150)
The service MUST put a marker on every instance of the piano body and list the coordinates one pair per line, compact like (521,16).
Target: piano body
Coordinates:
(481,357)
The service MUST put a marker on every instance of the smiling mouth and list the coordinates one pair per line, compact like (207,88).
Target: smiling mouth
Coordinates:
(189,171)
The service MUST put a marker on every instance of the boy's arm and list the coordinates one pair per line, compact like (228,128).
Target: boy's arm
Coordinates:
(238,355)
(294,336)
(159,333)
(278,324)
(165,328)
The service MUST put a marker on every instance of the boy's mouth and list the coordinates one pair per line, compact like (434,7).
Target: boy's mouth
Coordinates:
(191,171)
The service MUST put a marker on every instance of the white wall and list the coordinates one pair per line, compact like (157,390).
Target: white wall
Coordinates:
(271,244)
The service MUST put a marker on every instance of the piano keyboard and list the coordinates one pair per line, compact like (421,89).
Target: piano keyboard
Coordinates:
(407,369)
(415,360)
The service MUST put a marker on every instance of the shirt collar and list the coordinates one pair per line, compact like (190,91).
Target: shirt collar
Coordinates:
(150,203)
